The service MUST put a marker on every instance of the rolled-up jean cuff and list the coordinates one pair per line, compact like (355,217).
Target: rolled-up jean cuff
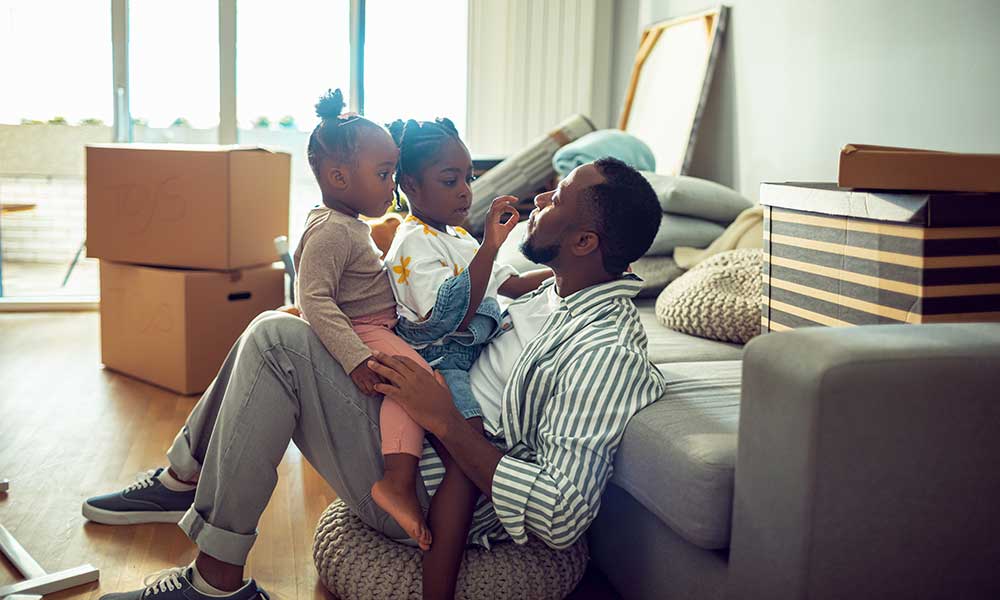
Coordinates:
(224,545)
(180,458)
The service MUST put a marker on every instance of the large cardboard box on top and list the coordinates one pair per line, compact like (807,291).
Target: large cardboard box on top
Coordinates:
(204,207)
(173,327)
(845,257)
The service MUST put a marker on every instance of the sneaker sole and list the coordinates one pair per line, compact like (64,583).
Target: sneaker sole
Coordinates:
(134,517)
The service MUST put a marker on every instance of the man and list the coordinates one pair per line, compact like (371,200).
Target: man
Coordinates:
(557,389)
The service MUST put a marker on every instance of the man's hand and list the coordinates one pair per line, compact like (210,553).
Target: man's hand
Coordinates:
(365,379)
(495,233)
(425,397)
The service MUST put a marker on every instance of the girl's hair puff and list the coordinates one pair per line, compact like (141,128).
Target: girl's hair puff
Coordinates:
(336,136)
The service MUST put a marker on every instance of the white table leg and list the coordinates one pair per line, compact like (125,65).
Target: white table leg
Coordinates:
(52,582)
(38,582)
(16,554)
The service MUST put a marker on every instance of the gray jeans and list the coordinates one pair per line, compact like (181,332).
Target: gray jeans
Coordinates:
(278,384)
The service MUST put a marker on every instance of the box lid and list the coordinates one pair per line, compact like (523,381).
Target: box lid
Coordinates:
(188,147)
(890,168)
(928,209)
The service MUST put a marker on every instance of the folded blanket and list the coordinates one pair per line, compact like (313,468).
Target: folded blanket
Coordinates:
(747,231)
(607,142)
(697,198)
(677,230)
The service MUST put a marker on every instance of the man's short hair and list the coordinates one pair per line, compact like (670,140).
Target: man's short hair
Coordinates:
(625,211)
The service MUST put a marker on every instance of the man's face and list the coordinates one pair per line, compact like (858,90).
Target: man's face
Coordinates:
(558,215)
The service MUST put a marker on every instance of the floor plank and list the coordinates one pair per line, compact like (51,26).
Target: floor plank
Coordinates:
(70,429)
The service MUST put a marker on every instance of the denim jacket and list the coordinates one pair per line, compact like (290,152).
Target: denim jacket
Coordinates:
(450,306)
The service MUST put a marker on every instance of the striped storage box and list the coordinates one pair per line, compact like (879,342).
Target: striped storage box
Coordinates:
(847,257)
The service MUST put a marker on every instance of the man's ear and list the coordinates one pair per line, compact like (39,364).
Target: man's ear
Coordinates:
(337,177)
(585,242)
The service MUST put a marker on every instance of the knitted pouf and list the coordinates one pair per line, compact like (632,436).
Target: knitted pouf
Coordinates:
(718,299)
(355,562)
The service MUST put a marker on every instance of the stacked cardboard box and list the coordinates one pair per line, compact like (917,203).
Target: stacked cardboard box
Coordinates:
(838,256)
(185,235)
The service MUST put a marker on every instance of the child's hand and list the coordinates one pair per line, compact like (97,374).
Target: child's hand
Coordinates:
(365,379)
(495,232)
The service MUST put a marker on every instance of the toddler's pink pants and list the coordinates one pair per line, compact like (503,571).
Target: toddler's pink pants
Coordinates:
(400,434)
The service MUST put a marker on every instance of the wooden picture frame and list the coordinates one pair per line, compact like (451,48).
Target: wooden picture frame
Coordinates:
(669,86)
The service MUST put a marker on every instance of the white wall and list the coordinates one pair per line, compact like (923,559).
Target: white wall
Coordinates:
(798,79)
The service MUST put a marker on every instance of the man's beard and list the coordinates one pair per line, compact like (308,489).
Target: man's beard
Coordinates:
(543,255)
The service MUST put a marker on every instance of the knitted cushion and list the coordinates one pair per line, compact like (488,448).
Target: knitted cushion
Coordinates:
(718,299)
(355,562)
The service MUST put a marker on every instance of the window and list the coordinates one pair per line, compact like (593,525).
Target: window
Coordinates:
(174,71)
(415,60)
(61,92)
(56,98)
(287,55)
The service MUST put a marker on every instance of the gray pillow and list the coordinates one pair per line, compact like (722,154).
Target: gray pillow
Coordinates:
(656,272)
(676,230)
(697,198)
(718,299)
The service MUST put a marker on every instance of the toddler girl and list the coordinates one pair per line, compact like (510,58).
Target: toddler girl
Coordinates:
(343,290)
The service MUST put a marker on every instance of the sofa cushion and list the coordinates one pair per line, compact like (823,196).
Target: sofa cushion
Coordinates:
(678,455)
(669,346)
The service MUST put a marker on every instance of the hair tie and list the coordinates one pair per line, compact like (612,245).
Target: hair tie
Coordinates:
(347,118)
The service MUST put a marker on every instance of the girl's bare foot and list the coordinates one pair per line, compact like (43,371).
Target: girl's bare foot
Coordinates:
(399,499)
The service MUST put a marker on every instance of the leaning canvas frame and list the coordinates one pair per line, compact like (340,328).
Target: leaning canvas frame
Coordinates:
(669,87)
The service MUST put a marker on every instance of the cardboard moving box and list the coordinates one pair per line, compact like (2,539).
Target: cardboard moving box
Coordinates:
(173,327)
(205,207)
(842,257)
(888,168)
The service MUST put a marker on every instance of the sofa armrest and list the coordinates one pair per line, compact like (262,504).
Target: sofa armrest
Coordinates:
(867,464)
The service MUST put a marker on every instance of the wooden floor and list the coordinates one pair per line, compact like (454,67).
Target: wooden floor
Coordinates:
(70,429)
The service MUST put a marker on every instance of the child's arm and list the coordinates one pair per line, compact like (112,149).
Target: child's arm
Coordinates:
(324,258)
(519,285)
(481,267)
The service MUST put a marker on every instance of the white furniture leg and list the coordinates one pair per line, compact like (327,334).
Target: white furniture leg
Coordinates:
(37,581)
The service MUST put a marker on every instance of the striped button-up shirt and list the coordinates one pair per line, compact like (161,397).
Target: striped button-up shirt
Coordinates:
(564,410)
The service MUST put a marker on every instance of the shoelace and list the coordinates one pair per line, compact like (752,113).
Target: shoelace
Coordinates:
(170,579)
(143,480)
(162,581)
